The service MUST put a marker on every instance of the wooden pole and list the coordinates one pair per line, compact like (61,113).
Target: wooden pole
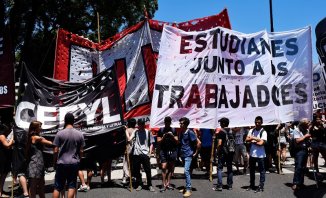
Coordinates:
(279,151)
(12,186)
(98,28)
(212,159)
(129,168)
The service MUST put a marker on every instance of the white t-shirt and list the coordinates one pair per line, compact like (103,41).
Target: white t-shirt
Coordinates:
(143,141)
(256,150)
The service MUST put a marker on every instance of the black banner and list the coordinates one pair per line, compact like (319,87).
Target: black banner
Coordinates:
(321,40)
(95,104)
(7,84)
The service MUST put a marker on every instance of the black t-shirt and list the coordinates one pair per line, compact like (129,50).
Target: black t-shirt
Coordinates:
(222,136)
(167,143)
(318,134)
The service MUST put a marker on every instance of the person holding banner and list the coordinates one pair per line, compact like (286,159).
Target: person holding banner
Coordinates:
(318,143)
(240,134)
(167,138)
(206,138)
(142,150)
(127,166)
(34,155)
(189,148)
(257,138)
(4,158)
(302,139)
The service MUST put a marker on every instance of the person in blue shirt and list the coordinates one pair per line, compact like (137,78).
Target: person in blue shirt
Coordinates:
(206,137)
(302,140)
(189,148)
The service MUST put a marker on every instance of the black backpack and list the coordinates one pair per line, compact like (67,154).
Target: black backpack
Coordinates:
(229,145)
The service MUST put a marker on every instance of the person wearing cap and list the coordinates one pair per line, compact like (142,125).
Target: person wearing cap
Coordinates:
(224,156)
(142,149)
(68,149)
(257,137)
(167,138)
(189,148)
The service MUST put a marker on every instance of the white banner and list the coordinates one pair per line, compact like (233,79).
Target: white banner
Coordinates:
(319,94)
(223,73)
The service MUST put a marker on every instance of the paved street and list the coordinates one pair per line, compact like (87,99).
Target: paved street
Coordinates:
(276,185)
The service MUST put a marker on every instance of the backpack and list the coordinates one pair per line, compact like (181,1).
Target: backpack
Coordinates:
(292,147)
(229,145)
(265,142)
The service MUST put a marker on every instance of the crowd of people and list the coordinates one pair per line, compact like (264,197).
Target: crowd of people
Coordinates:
(238,146)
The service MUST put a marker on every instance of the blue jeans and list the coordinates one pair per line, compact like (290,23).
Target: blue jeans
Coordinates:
(223,158)
(187,164)
(261,168)
(300,162)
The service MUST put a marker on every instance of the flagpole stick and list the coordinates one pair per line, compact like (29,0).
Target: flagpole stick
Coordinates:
(211,160)
(271,14)
(98,28)
(12,186)
(55,53)
(279,151)
(129,168)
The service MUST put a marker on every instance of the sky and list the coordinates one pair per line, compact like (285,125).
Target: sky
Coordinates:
(249,16)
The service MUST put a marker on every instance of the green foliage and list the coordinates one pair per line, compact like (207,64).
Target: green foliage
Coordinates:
(33,24)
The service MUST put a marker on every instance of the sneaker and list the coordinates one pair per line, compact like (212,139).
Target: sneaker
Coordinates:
(267,172)
(182,191)
(139,188)
(163,189)
(295,187)
(151,189)
(169,187)
(259,189)
(217,188)
(187,193)
(124,180)
(230,187)
(83,188)
(249,188)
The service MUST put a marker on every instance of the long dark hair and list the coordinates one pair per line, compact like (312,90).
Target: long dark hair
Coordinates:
(32,131)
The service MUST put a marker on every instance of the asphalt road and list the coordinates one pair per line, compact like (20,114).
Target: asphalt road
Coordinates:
(275,185)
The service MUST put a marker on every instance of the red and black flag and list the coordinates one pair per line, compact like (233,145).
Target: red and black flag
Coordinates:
(7,78)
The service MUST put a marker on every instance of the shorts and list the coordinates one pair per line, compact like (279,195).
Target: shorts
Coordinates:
(168,156)
(66,174)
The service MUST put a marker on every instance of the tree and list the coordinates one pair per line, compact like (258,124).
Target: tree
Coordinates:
(33,24)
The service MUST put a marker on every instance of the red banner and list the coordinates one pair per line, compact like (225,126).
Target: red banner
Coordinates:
(133,52)
(7,77)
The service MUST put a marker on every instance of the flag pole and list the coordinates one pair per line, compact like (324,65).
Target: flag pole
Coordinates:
(212,158)
(55,53)
(98,28)
(271,14)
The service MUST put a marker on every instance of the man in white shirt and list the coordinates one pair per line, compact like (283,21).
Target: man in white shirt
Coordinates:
(257,137)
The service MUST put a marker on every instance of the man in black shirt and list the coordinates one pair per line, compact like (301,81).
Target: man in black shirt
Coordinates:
(225,155)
